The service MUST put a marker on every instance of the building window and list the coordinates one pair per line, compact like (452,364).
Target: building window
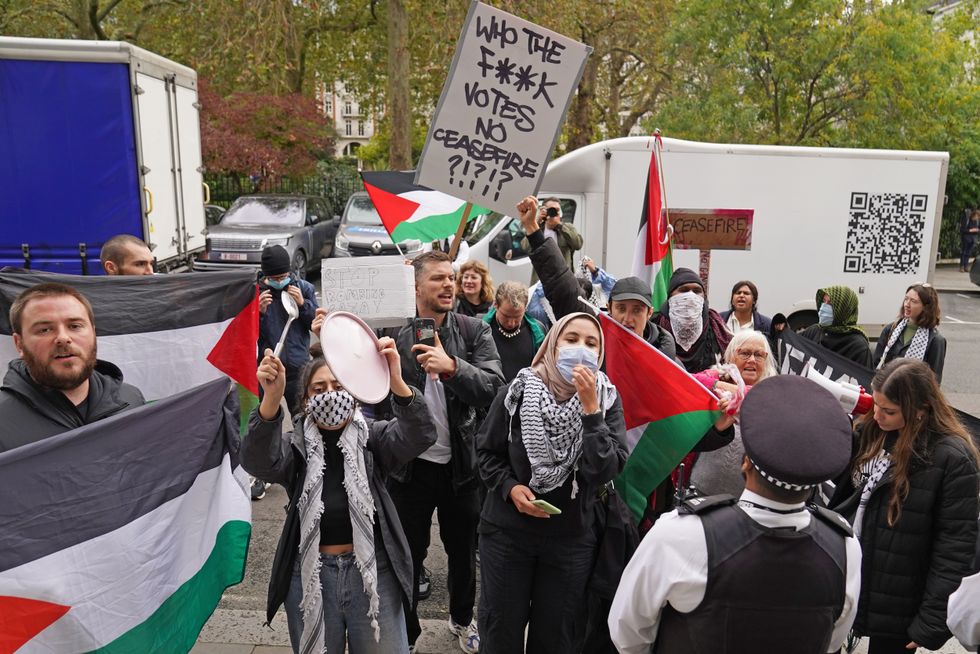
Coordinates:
(360,128)
(328,105)
(347,128)
(347,109)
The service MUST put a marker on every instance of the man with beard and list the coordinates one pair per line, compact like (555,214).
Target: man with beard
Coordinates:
(699,332)
(459,376)
(57,384)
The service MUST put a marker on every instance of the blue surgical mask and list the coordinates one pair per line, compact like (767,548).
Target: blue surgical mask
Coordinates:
(825,315)
(574,355)
(278,284)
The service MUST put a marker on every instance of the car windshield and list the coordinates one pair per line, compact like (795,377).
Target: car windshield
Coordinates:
(361,211)
(265,211)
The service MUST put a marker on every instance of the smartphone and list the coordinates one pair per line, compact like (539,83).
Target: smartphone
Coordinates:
(425,331)
(547,507)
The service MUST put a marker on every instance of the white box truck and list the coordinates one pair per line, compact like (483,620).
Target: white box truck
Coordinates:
(97,138)
(868,219)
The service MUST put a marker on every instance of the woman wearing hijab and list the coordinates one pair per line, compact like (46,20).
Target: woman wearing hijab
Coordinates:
(555,434)
(700,332)
(836,328)
(342,567)
(915,333)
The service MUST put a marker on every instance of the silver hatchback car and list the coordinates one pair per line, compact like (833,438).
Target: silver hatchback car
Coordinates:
(302,224)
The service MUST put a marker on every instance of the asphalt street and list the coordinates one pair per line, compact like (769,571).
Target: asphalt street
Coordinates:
(236,627)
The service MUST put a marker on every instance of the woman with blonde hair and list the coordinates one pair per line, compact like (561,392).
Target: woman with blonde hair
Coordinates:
(911,492)
(720,471)
(915,332)
(474,289)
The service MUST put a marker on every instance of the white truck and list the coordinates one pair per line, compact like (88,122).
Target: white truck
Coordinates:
(97,138)
(868,219)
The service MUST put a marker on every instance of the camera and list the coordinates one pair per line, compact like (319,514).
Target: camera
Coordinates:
(551,212)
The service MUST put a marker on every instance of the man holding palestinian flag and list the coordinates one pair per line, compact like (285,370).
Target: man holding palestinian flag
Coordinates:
(123,522)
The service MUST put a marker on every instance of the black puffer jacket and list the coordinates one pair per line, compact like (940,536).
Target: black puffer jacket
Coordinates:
(32,413)
(909,571)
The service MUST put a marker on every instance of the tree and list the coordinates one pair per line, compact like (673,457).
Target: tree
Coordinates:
(257,134)
(399,69)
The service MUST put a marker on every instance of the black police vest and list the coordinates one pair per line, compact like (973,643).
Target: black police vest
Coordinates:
(768,590)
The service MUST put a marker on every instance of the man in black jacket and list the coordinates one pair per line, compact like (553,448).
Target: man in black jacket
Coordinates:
(57,384)
(630,302)
(458,375)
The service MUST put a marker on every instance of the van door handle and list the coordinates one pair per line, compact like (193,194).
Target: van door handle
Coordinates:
(149,200)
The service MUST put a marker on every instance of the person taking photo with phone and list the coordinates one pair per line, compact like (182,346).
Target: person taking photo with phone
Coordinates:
(548,446)
(459,372)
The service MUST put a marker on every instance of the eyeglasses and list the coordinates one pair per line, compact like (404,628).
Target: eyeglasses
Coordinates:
(745,355)
(922,284)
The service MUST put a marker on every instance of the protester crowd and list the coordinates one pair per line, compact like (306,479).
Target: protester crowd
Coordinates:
(506,426)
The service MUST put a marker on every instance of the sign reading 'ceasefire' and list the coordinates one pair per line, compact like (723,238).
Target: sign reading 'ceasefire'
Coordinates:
(501,109)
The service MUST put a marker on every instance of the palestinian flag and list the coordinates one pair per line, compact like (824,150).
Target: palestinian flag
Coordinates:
(414,212)
(666,410)
(652,259)
(167,333)
(121,536)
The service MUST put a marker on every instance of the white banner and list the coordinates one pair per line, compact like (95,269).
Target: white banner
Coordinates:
(501,109)
(378,290)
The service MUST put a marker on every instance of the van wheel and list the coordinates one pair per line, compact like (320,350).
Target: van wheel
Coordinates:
(800,320)
(299,264)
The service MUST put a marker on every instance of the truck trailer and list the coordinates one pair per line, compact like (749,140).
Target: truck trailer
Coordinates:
(97,138)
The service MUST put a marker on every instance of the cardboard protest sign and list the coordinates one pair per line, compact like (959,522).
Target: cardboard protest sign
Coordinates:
(379,290)
(501,109)
(712,229)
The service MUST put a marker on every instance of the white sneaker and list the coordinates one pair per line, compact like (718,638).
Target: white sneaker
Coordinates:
(469,637)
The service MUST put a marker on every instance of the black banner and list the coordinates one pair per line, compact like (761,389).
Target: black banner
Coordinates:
(793,352)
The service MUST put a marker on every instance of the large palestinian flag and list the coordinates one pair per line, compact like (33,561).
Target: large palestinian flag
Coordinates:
(121,536)
(414,212)
(167,333)
(666,410)
(652,259)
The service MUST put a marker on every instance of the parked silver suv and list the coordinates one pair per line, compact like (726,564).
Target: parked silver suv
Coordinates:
(302,224)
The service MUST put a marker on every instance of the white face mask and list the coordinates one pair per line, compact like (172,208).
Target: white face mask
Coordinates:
(686,319)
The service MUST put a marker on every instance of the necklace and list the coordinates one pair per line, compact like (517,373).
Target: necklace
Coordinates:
(507,334)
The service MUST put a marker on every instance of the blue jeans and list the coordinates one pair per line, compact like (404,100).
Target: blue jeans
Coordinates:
(345,607)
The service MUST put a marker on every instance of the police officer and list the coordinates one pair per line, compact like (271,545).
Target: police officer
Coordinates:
(765,573)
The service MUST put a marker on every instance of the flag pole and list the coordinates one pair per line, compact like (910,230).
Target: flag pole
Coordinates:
(459,230)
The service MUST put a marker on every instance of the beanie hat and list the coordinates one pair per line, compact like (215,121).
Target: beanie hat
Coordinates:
(683,276)
(275,260)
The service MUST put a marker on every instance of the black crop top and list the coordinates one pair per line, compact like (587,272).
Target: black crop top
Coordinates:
(335,527)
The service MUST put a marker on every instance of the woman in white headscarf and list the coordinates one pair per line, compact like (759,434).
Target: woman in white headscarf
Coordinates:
(555,434)
(342,567)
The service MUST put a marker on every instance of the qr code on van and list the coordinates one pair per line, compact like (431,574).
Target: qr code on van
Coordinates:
(885,232)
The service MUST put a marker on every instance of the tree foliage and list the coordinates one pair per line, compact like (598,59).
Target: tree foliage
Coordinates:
(258,134)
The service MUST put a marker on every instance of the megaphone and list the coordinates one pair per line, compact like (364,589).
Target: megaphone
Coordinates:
(852,398)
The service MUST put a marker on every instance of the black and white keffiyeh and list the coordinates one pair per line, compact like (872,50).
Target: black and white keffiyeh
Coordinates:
(551,431)
(917,348)
(870,476)
(352,442)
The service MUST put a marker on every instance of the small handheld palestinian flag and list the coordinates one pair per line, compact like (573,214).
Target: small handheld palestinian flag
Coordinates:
(667,411)
(409,211)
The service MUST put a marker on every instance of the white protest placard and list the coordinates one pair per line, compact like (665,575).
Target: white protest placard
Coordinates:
(501,109)
(378,290)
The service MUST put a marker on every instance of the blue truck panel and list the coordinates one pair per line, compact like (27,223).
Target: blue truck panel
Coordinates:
(68,165)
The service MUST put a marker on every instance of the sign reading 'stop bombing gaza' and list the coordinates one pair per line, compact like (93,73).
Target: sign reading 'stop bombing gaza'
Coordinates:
(501,109)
